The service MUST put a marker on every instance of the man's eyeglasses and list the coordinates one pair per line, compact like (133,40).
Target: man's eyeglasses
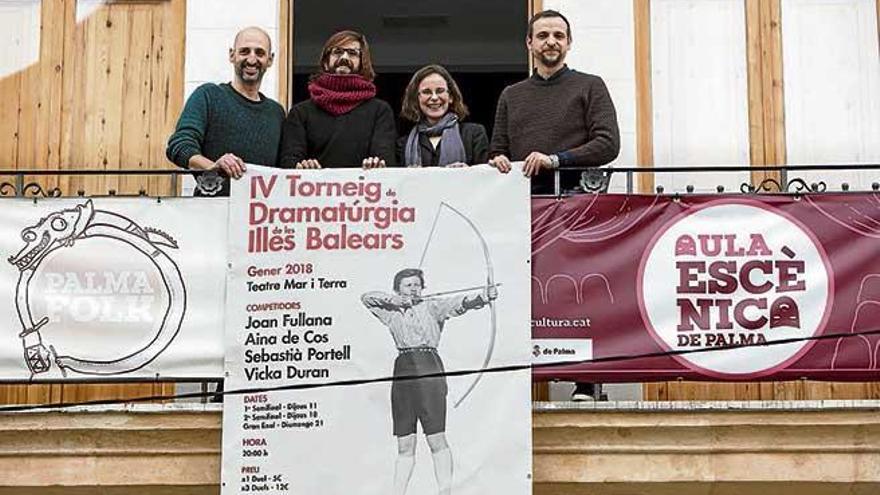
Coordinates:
(351,52)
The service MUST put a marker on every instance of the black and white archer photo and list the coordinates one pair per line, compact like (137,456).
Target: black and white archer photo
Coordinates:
(416,322)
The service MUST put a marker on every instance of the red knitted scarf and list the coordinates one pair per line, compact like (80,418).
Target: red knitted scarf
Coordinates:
(340,93)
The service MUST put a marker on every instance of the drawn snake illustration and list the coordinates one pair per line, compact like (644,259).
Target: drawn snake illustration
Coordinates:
(62,229)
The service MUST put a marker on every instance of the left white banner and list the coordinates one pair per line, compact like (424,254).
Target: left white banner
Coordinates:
(112,288)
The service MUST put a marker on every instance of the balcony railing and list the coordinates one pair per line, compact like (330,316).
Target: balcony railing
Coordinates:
(21,183)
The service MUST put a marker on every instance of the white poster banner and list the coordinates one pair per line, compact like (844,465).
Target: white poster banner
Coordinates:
(112,288)
(341,275)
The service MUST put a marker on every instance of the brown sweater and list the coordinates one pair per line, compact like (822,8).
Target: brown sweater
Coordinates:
(570,114)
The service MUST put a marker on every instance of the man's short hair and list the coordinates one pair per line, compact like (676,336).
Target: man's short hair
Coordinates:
(407,273)
(343,37)
(546,14)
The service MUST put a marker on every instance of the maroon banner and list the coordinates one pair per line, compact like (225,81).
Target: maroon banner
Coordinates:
(630,275)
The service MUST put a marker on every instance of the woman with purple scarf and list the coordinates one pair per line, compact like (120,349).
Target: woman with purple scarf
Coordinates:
(433,102)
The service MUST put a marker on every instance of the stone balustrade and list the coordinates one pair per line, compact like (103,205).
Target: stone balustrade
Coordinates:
(651,448)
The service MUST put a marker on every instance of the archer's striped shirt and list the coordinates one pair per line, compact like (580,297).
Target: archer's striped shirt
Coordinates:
(415,326)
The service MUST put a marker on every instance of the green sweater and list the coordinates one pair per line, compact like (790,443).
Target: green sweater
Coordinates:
(218,120)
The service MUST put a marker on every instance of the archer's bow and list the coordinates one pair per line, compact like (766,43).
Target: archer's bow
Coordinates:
(490,282)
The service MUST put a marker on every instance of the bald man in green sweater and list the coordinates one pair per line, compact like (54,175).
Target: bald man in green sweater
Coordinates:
(224,126)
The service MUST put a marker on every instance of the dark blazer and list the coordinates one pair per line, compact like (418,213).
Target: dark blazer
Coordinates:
(473,136)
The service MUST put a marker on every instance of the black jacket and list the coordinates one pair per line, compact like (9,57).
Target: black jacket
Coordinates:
(473,137)
(338,140)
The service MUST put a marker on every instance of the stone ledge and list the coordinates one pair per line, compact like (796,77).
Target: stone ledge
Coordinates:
(123,446)
(704,449)
(704,488)
(834,447)
(752,405)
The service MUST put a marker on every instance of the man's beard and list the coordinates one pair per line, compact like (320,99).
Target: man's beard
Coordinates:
(342,63)
(551,62)
(248,78)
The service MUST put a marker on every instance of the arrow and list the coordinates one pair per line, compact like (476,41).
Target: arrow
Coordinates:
(457,291)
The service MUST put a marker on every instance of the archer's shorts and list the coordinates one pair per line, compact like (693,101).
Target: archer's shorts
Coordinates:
(423,399)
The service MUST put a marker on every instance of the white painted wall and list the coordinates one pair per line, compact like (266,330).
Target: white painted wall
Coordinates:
(604,44)
(211,26)
(700,90)
(832,87)
(20,34)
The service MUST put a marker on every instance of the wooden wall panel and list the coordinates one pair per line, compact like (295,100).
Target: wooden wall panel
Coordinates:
(9,85)
(167,80)
(540,391)
(766,98)
(72,116)
(58,393)
(535,6)
(644,101)
(104,94)
(135,142)
(51,79)
(790,390)
(756,100)
(30,394)
(284,57)
(39,101)
(774,99)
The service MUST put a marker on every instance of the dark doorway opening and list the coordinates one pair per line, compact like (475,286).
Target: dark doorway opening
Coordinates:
(481,43)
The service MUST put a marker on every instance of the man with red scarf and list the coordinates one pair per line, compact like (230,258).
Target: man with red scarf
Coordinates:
(343,124)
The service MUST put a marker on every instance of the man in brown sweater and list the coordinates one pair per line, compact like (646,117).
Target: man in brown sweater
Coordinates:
(556,117)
